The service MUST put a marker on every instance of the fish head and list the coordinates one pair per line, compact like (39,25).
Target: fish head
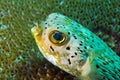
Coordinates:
(58,42)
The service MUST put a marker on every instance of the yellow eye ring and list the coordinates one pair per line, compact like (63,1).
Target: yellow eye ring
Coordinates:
(57,37)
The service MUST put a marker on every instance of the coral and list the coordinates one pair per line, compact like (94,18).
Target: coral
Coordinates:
(19,56)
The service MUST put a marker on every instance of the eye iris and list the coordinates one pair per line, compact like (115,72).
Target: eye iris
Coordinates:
(58,36)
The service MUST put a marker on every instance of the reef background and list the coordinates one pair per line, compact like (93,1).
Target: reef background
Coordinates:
(20,58)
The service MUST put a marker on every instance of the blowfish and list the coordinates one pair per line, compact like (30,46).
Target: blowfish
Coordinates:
(75,49)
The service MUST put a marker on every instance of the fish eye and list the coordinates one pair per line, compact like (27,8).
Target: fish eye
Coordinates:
(57,37)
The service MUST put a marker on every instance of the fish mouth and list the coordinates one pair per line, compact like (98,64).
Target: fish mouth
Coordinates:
(36,30)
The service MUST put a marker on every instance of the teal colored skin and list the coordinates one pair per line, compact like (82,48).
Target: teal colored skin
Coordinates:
(81,53)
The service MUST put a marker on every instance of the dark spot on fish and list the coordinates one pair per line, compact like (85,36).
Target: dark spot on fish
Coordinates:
(104,70)
(105,63)
(69,61)
(57,27)
(57,24)
(114,77)
(46,23)
(51,21)
(81,50)
(97,66)
(68,33)
(78,47)
(81,41)
(75,53)
(63,25)
(68,48)
(103,78)
(85,47)
(45,27)
(80,44)
(72,56)
(92,40)
(88,38)
(51,48)
(56,17)
(75,37)
(91,46)
(112,61)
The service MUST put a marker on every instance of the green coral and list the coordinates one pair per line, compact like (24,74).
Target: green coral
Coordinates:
(19,55)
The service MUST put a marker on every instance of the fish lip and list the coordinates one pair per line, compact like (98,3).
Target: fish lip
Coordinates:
(36,30)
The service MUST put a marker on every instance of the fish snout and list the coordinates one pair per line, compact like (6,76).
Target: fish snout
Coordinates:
(36,30)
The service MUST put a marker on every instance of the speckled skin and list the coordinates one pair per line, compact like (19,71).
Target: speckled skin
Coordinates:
(83,54)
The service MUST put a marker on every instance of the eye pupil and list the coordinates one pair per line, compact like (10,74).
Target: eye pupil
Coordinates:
(58,36)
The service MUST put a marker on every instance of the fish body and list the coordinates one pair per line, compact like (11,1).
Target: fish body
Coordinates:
(75,49)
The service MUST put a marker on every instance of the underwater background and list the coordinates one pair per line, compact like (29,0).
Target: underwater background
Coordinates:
(20,58)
